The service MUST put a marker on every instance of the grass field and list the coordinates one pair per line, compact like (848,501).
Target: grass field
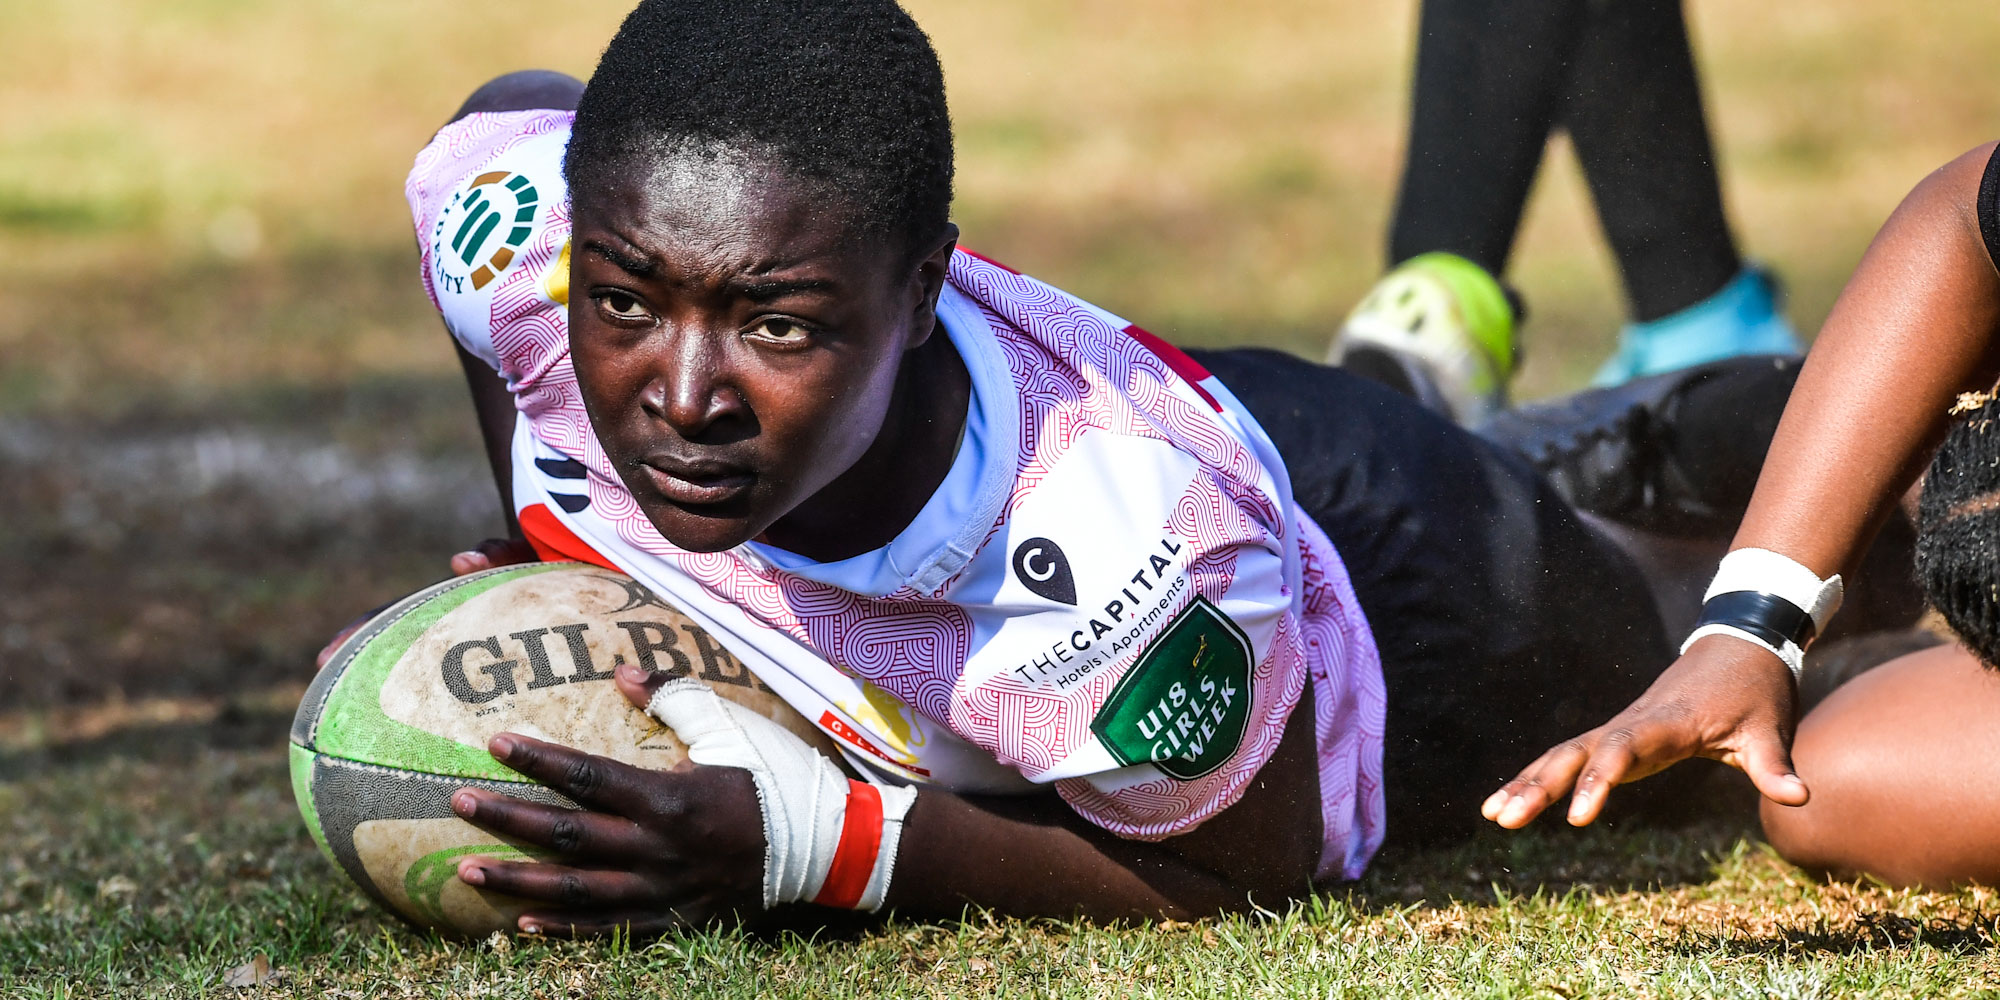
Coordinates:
(157,850)
(228,422)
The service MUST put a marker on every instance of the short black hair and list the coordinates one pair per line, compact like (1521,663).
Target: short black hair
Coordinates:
(843,93)
(1958,528)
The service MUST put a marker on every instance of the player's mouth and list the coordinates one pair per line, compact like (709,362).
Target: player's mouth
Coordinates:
(698,483)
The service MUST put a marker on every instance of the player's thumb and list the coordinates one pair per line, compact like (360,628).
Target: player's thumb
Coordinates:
(637,683)
(721,733)
(713,729)
(1767,759)
(696,714)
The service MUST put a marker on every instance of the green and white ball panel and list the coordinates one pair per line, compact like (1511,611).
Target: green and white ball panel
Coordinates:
(406,618)
(402,713)
(394,834)
(516,649)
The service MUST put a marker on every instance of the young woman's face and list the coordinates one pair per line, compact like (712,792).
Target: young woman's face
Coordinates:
(736,344)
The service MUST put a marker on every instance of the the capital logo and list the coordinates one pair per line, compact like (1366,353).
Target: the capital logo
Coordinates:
(1042,568)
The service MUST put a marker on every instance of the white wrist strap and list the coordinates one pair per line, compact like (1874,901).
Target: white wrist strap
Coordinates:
(1766,572)
(828,839)
(1790,652)
(1769,574)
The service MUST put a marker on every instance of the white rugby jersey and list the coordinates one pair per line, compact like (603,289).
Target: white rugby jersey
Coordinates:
(1111,593)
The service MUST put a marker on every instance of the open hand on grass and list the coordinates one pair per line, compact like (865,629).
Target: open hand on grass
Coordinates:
(650,851)
(1725,699)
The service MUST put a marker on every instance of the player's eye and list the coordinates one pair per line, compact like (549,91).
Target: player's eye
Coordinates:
(780,332)
(621,307)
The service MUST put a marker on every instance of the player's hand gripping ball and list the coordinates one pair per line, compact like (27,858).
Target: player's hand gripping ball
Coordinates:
(401,719)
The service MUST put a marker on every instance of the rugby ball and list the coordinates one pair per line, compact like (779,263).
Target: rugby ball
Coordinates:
(400,716)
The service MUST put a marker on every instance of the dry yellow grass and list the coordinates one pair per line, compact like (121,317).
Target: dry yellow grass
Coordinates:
(200,196)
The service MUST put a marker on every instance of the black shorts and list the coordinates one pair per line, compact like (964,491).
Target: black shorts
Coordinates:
(1505,624)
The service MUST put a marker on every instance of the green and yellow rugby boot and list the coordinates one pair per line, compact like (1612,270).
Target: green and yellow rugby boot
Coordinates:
(1439,328)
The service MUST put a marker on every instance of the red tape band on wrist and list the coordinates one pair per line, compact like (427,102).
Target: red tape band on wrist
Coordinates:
(860,842)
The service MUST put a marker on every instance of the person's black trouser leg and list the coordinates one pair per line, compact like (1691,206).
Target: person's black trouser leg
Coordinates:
(1633,109)
(1489,78)
(1493,77)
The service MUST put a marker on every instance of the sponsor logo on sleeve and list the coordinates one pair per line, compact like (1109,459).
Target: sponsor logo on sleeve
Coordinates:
(899,733)
(1184,705)
(481,232)
(854,737)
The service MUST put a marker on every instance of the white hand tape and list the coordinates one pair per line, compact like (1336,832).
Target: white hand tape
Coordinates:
(803,796)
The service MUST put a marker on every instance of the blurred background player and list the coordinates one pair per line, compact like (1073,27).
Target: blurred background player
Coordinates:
(1493,79)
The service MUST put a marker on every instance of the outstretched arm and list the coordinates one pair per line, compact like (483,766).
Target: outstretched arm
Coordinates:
(1918,323)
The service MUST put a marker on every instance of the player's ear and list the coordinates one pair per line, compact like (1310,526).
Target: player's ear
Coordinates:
(927,282)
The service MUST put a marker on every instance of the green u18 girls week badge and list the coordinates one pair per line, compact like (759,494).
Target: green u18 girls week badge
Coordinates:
(1183,707)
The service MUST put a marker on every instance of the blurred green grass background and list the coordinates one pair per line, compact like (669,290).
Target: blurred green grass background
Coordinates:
(200,200)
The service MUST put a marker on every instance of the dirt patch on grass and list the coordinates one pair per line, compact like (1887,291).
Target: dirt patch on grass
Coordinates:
(212,553)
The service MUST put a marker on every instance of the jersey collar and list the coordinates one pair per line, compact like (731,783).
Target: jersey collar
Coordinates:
(955,522)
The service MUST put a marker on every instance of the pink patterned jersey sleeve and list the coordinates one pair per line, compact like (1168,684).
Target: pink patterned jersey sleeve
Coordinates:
(491,214)
(1198,608)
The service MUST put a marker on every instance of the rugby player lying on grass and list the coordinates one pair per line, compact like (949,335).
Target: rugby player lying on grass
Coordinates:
(995,540)
(1899,761)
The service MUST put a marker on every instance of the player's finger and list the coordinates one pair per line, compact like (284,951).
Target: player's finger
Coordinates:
(1628,751)
(559,885)
(573,833)
(469,562)
(1768,762)
(1617,749)
(592,781)
(510,551)
(491,553)
(1541,783)
(636,923)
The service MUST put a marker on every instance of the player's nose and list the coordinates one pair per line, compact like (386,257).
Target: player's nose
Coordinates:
(694,387)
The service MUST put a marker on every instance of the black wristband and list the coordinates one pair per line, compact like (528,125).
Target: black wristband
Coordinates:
(1766,616)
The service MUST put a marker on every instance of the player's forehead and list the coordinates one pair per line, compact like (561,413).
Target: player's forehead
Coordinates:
(721,209)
